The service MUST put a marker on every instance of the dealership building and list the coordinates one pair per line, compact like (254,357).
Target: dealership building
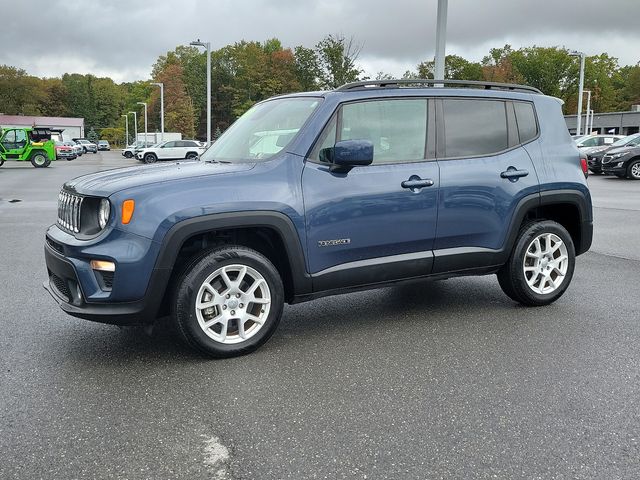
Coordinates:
(72,127)
(623,123)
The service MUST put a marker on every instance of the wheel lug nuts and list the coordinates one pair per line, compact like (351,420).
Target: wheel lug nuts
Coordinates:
(233,312)
(228,296)
(241,305)
(238,295)
(224,307)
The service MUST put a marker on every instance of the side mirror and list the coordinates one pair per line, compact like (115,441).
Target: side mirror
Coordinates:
(348,154)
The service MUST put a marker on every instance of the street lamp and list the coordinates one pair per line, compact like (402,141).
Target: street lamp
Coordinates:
(441,41)
(161,85)
(207,45)
(126,127)
(135,122)
(579,116)
(145,122)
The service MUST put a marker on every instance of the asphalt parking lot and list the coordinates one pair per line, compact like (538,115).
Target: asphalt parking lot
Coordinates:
(435,380)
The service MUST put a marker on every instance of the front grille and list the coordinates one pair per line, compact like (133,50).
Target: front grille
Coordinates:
(61,286)
(69,211)
(607,158)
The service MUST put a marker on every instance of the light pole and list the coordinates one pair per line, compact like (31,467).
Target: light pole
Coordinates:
(579,115)
(161,85)
(145,123)
(126,130)
(207,45)
(587,130)
(135,122)
(441,40)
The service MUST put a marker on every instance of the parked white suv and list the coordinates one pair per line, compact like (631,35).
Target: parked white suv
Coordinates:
(170,150)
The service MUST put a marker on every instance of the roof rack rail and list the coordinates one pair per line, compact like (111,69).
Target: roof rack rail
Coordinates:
(411,82)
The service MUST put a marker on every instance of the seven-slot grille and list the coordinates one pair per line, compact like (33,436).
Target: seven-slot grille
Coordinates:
(69,208)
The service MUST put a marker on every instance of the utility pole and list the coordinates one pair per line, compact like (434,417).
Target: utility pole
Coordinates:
(441,41)
(146,142)
(587,130)
(161,85)
(207,45)
(126,130)
(135,122)
(580,88)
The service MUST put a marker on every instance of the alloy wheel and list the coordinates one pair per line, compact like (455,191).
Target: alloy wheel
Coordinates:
(233,304)
(545,263)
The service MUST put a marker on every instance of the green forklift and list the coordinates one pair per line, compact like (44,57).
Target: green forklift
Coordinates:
(34,144)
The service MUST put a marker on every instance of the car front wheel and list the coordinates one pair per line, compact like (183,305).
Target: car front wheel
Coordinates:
(633,171)
(541,265)
(228,301)
(150,158)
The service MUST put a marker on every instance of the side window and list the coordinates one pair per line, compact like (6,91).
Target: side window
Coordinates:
(526,118)
(170,144)
(21,138)
(9,138)
(474,127)
(327,139)
(397,128)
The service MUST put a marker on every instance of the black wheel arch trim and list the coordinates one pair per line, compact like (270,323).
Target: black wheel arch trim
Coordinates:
(279,222)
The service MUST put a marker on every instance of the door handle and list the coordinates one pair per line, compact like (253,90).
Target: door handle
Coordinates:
(513,173)
(415,183)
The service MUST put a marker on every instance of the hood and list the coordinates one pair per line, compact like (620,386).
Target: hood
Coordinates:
(621,150)
(108,182)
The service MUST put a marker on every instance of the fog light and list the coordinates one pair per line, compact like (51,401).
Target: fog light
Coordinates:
(103,266)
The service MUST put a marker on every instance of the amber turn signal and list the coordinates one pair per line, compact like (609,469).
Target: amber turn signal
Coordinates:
(103,266)
(127,211)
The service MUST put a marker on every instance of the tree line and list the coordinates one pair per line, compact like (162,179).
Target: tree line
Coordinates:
(248,71)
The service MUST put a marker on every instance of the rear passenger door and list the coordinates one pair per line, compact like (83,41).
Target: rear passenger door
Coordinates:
(484,173)
(369,225)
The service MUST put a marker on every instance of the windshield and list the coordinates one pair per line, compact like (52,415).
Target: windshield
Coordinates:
(263,131)
(630,141)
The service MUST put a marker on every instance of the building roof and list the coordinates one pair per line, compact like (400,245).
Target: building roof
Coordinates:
(28,121)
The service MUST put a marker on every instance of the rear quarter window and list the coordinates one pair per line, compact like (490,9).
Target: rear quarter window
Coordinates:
(526,119)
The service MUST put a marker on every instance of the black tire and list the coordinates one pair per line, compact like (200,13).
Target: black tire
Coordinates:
(189,283)
(512,277)
(1,161)
(633,170)
(84,149)
(150,158)
(128,154)
(191,155)
(40,160)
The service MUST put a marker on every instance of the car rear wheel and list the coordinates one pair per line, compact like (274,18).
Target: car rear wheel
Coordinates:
(128,154)
(633,171)
(40,160)
(228,301)
(541,264)
(192,155)
(150,158)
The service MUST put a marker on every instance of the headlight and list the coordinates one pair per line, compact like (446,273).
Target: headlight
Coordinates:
(618,155)
(103,213)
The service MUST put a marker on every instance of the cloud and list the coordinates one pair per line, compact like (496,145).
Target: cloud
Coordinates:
(123,38)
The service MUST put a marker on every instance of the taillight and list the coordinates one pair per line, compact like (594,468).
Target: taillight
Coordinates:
(584,166)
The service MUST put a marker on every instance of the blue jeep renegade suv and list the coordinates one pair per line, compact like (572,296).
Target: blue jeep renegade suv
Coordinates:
(317,194)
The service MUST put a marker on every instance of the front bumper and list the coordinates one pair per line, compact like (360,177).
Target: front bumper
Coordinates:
(128,299)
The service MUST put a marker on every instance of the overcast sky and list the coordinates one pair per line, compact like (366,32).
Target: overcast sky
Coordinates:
(123,38)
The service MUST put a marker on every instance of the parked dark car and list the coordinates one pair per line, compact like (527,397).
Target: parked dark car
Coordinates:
(622,162)
(322,193)
(594,156)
